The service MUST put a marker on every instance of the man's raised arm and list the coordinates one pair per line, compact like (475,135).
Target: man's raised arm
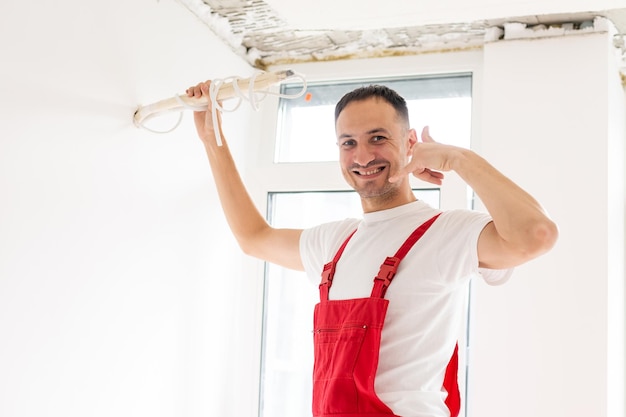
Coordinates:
(520,231)
(254,235)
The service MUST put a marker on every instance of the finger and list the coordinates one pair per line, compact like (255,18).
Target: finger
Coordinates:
(192,91)
(430,176)
(435,174)
(198,90)
(426,135)
(404,171)
(204,89)
(424,174)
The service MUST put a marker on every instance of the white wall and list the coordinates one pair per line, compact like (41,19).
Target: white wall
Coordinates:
(113,300)
(545,342)
(114,297)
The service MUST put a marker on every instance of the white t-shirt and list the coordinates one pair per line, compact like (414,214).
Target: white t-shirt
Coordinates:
(426,297)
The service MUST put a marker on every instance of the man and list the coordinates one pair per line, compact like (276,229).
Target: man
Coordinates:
(391,284)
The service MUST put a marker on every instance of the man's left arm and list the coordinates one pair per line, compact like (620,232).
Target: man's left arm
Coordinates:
(520,231)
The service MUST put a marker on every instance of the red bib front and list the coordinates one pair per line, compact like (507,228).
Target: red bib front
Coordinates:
(347,336)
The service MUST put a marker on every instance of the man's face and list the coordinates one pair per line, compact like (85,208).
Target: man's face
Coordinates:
(373,144)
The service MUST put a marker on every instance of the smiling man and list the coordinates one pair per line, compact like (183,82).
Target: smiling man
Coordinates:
(374,140)
(392,283)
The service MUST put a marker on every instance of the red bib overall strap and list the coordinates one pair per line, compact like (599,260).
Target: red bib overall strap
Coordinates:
(389,267)
(328,273)
(387,271)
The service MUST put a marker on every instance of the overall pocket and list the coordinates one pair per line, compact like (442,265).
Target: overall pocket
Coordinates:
(336,354)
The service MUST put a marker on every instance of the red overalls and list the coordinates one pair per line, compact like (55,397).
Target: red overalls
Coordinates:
(347,337)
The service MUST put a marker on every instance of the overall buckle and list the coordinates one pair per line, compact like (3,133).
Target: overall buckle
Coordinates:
(388,270)
(328,273)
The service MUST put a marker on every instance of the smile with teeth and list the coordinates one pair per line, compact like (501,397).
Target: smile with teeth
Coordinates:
(370,172)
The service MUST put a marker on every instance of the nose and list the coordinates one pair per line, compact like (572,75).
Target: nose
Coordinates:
(363,155)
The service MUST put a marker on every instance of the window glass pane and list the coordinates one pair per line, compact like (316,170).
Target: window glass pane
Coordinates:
(306,125)
(287,363)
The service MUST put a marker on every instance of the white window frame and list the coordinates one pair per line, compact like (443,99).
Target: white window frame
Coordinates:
(263,176)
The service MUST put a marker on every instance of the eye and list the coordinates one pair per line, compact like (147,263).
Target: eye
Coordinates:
(378,138)
(348,143)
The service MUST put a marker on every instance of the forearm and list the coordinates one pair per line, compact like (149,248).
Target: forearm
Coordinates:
(242,215)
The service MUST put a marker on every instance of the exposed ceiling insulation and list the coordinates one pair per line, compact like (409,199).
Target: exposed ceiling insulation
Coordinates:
(263,38)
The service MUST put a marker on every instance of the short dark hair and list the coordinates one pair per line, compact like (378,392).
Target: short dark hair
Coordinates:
(377,91)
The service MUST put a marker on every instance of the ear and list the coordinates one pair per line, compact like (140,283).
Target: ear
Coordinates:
(412,140)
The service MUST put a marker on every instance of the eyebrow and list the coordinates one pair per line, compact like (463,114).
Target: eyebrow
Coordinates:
(369,132)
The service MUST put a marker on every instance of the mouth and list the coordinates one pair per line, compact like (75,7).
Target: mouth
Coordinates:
(368,173)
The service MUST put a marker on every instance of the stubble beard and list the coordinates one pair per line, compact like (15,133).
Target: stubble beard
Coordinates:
(376,194)
(381,194)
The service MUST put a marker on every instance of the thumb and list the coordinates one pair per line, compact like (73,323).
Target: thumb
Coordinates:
(426,135)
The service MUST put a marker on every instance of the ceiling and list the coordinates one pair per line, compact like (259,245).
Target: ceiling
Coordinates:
(281,32)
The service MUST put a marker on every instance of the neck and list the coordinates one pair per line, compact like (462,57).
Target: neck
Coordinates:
(387,201)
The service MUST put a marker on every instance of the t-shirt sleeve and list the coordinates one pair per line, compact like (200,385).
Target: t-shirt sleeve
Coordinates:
(464,228)
(495,276)
(319,244)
